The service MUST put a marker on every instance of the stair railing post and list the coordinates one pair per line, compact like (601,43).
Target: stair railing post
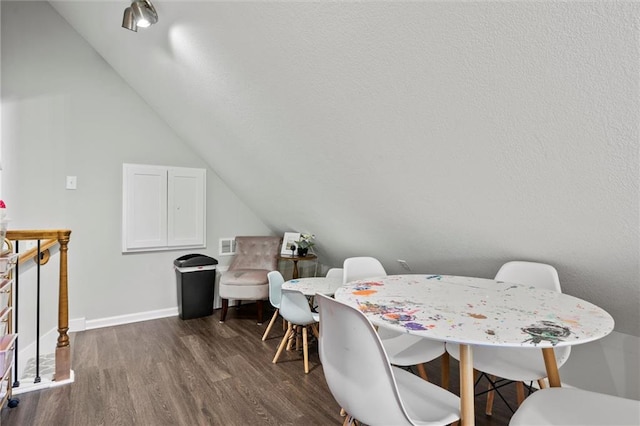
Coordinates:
(63,349)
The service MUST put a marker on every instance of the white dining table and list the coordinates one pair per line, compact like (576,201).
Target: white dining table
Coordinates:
(476,311)
(311,285)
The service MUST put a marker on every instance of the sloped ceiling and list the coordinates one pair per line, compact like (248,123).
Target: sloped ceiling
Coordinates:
(453,135)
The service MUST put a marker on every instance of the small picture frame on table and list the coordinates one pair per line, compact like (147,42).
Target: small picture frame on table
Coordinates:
(288,242)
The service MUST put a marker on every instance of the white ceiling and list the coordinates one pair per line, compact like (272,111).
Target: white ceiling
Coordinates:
(454,135)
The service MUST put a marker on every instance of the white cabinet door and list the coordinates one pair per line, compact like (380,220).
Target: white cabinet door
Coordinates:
(186,209)
(145,207)
(163,208)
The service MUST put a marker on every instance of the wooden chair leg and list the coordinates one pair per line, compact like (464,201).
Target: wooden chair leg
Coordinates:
(422,371)
(542,383)
(305,350)
(444,370)
(350,420)
(314,329)
(273,320)
(225,307)
(292,336)
(520,392)
(490,394)
(283,343)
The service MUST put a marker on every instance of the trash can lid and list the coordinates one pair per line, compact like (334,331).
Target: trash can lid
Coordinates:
(194,260)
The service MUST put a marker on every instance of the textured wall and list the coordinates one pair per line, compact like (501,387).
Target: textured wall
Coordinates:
(454,135)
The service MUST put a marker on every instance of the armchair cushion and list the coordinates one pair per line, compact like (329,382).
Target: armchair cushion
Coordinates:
(244,277)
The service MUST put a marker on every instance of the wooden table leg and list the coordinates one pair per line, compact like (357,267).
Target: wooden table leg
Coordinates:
(295,270)
(467,414)
(552,367)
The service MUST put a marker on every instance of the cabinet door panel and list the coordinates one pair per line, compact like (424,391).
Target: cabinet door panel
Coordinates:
(186,207)
(145,207)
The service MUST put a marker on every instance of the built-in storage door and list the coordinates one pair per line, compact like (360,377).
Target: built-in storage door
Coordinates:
(164,208)
(186,210)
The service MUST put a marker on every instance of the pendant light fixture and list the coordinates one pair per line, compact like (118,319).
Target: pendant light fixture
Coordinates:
(141,13)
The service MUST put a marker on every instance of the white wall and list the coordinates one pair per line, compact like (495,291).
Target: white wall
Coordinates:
(66,112)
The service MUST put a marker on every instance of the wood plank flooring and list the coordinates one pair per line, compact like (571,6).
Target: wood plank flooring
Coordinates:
(195,372)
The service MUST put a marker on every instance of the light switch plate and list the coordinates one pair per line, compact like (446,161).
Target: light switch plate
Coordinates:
(72,182)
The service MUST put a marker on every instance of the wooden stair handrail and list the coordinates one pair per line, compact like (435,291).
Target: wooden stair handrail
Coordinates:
(32,253)
(39,234)
(60,236)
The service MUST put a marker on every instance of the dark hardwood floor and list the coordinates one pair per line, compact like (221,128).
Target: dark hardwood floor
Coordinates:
(195,372)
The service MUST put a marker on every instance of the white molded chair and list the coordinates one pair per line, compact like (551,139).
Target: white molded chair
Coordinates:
(365,384)
(403,349)
(517,364)
(294,308)
(275,295)
(335,273)
(576,407)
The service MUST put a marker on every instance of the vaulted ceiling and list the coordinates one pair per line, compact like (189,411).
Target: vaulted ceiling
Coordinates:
(453,135)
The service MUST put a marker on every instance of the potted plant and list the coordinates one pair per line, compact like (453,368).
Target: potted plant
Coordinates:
(305,243)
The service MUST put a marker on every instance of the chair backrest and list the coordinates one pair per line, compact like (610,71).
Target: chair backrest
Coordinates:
(294,307)
(356,365)
(256,253)
(539,275)
(275,288)
(335,273)
(571,406)
(358,268)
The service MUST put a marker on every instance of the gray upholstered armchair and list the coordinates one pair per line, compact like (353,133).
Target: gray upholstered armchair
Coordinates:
(246,278)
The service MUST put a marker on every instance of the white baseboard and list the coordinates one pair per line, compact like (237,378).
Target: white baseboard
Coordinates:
(81,324)
(78,324)
(130,318)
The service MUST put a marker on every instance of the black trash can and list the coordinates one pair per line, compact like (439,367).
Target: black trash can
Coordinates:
(196,277)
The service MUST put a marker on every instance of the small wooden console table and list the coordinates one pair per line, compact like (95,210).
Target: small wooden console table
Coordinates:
(295,259)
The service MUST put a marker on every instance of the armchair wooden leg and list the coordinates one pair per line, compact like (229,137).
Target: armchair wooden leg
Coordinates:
(283,343)
(273,320)
(225,307)
(260,304)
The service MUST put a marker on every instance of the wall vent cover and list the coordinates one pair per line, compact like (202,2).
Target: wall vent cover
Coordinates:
(227,246)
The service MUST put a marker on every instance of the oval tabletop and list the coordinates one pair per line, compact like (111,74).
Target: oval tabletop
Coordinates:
(477,311)
(312,285)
